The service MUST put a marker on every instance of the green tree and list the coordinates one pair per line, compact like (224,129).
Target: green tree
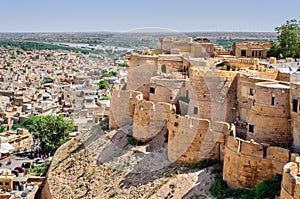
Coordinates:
(3,128)
(26,123)
(53,131)
(274,51)
(103,84)
(288,40)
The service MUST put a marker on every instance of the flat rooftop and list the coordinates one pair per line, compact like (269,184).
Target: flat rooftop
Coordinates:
(274,85)
(278,86)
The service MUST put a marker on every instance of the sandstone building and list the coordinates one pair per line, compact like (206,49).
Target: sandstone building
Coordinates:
(235,110)
(251,49)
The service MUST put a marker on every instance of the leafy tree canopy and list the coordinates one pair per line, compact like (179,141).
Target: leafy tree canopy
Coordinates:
(288,40)
(26,123)
(53,131)
(3,129)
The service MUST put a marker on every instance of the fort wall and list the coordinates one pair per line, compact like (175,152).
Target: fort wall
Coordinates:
(122,107)
(169,63)
(191,140)
(215,92)
(141,69)
(295,114)
(284,77)
(196,49)
(268,73)
(243,64)
(270,113)
(288,76)
(247,163)
(160,100)
(151,119)
(290,185)
(245,95)
(166,89)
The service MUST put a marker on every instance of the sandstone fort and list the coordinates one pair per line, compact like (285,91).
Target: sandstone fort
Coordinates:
(235,106)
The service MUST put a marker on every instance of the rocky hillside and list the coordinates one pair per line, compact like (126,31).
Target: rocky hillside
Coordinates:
(103,164)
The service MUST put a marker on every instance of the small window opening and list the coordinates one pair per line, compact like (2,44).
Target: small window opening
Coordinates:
(295,105)
(251,128)
(195,110)
(252,91)
(273,101)
(152,90)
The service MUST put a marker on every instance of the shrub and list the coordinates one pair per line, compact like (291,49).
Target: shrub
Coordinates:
(40,170)
(218,187)
(103,84)
(266,189)
(48,80)
(105,98)
(204,164)
(110,74)
(123,64)
(217,169)
(132,140)
(75,70)
(3,128)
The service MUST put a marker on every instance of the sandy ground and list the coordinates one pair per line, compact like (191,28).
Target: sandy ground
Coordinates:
(105,166)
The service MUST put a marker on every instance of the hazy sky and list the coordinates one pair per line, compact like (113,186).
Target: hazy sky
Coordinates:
(124,15)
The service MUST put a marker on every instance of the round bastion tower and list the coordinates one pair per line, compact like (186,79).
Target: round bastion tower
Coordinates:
(269,120)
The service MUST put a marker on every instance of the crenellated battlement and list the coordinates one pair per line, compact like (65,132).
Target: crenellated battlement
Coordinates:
(150,119)
(197,101)
(251,157)
(122,109)
(290,186)
(193,139)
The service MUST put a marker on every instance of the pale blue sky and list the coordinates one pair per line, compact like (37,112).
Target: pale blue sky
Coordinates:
(124,15)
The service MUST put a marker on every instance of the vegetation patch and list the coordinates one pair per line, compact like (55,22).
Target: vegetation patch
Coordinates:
(3,129)
(90,174)
(153,191)
(28,46)
(40,170)
(53,131)
(48,80)
(105,98)
(266,189)
(75,70)
(123,64)
(204,164)
(132,140)
(288,41)
(103,84)
(110,74)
